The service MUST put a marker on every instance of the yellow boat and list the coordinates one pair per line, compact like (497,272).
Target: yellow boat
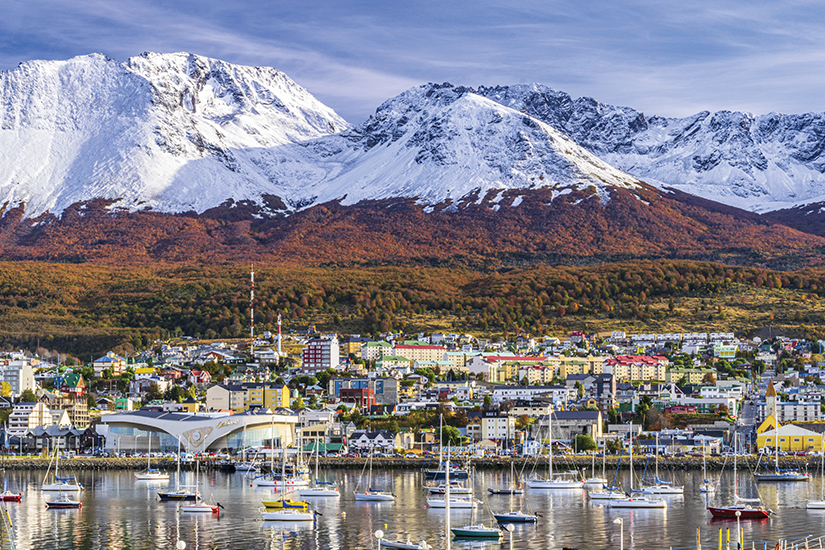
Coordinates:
(284,504)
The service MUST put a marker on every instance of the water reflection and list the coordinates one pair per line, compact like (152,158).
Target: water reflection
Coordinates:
(119,513)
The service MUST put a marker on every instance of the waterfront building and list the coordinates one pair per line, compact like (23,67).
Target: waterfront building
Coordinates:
(197,432)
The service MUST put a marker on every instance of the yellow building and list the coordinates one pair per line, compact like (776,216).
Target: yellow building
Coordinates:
(190,406)
(693,376)
(790,438)
(277,396)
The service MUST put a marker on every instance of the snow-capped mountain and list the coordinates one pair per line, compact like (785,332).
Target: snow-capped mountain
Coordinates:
(179,132)
(439,143)
(759,163)
(172,131)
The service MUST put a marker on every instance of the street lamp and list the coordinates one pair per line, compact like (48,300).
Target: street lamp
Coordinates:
(379,535)
(510,527)
(738,531)
(180,545)
(620,523)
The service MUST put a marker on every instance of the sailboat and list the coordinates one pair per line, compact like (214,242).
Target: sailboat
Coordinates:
(467,531)
(321,488)
(707,486)
(62,484)
(565,480)
(740,505)
(661,487)
(514,515)
(371,494)
(283,480)
(593,479)
(151,474)
(777,474)
(612,492)
(820,504)
(8,496)
(199,506)
(441,472)
(636,502)
(511,489)
(180,492)
(63,501)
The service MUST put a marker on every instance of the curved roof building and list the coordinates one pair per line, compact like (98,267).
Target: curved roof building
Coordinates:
(198,433)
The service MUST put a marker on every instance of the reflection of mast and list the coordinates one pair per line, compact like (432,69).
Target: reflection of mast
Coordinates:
(252,312)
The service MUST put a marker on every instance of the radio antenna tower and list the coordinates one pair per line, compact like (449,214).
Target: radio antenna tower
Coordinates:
(252,312)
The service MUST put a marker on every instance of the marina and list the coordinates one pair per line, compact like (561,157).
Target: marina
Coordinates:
(117,512)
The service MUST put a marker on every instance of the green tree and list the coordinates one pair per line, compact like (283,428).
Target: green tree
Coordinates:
(298,404)
(488,402)
(450,436)
(28,396)
(642,409)
(585,443)
(393,427)
(153,393)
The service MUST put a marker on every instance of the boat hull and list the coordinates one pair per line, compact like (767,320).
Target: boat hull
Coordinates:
(11,497)
(404,545)
(781,477)
(285,504)
(663,490)
(515,517)
(151,477)
(745,513)
(505,491)
(62,504)
(374,497)
(318,493)
(455,504)
(288,515)
(62,487)
(816,505)
(199,508)
(605,495)
(476,532)
(638,503)
(439,474)
(175,497)
(553,484)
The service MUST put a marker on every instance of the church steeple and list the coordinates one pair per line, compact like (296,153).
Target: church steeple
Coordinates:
(770,401)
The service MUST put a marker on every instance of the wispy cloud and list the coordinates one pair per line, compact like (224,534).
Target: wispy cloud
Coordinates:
(661,57)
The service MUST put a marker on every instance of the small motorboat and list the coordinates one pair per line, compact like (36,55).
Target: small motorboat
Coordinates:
(63,501)
(8,496)
(287,515)
(152,474)
(408,545)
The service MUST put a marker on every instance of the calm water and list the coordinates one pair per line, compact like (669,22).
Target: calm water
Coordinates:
(120,513)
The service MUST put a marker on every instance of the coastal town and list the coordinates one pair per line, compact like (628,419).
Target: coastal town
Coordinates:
(349,395)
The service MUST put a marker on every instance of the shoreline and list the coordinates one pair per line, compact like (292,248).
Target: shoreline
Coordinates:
(810,463)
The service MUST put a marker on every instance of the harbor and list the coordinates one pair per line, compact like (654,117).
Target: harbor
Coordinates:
(119,512)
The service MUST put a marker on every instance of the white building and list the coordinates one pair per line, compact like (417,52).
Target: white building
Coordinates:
(559,394)
(19,375)
(320,354)
(27,416)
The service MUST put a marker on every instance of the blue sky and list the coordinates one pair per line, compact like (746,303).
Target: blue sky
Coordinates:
(661,57)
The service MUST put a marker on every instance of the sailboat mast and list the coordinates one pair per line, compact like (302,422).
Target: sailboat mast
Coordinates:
(657,457)
(631,458)
(550,437)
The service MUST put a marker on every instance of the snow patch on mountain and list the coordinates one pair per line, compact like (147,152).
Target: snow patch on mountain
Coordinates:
(759,163)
